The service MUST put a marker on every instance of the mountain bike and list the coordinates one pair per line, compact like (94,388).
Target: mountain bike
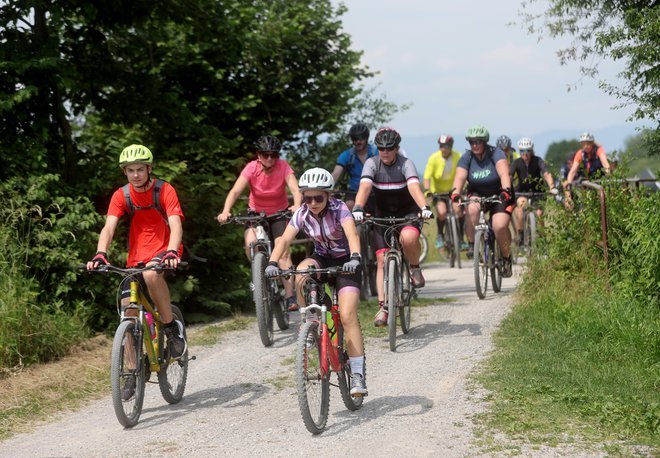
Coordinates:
(369,262)
(399,290)
(320,350)
(451,232)
(139,348)
(268,300)
(487,254)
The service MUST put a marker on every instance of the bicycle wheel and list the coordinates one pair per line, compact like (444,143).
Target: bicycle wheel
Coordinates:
(173,374)
(372,269)
(279,307)
(480,264)
(392,295)
(496,265)
(515,246)
(406,297)
(530,233)
(127,373)
(313,387)
(424,244)
(261,299)
(364,287)
(453,223)
(343,380)
(449,243)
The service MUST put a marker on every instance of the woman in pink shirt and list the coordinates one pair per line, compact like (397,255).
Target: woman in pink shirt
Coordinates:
(268,176)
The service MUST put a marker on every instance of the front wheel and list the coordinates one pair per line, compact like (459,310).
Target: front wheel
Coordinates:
(392,295)
(424,247)
(480,264)
(261,297)
(313,386)
(173,374)
(406,297)
(496,266)
(127,373)
(453,223)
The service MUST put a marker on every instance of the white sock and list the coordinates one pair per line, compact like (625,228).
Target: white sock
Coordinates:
(357,364)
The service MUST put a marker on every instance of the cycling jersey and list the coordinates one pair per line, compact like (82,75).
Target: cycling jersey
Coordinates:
(530,177)
(267,190)
(326,230)
(440,171)
(512,156)
(591,164)
(482,176)
(149,233)
(351,163)
(390,184)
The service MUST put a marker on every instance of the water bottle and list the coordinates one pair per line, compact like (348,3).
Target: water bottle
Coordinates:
(332,329)
(151,324)
(261,233)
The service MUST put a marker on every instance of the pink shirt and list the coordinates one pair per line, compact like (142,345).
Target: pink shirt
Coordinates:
(267,191)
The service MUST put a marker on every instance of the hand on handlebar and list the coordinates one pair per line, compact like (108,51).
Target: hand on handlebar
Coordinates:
(223,217)
(99,259)
(426,213)
(171,259)
(353,265)
(358,213)
(272,270)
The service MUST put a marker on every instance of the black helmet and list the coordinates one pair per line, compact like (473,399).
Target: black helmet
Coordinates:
(268,143)
(386,137)
(359,131)
(503,142)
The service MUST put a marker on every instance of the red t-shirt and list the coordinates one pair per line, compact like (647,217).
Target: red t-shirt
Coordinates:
(267,191)
(149,234)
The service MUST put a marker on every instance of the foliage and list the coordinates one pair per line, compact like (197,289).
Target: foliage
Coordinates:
(620,30)
(557,152)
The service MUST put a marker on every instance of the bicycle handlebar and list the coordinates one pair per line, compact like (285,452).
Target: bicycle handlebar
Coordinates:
(332,271)
(240,219)
(127,271)
(392,220)
(495,199)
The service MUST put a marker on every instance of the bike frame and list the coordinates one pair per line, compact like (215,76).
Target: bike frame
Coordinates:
(140,302)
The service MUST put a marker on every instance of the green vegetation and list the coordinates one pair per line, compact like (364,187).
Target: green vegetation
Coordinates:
(579,356)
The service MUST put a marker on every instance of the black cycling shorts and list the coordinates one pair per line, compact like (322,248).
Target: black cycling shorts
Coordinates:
(353,280)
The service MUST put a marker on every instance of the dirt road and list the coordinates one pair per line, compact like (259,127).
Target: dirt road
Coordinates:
(241,399)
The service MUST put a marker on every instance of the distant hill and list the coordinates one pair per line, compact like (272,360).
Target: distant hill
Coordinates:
(612,138)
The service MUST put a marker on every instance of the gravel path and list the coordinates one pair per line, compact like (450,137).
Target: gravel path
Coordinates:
(241,398)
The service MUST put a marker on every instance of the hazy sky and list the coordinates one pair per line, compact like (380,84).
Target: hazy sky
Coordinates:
(459,64)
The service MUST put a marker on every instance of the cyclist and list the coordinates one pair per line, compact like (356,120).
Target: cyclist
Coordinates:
(590,159)
(352,160)
(153,238)
(398,193)
(439,178)
(486,171)
(531,171)
(504,143)
(268,176)
(336,243)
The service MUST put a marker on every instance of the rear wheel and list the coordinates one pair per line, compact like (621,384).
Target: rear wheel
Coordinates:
(406,297)
(392,295)
(424,246)
(173,374)
(530,233)
(449,243)
(280,309)
(496,262)
(261,297)
(453,223)
(480,264)
(313,387)
(127,373)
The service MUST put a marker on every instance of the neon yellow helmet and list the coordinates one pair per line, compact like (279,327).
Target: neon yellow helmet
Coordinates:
(135,154)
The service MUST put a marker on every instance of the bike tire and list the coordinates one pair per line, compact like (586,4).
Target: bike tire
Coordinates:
(373,269)
(496,269)
(424,247)
(392,296)
(364,286)
(343,381)
(449,243)
(127,411)
(530,233)
(453,222)
(406,297)
(313,388)
(480,264)
(515,246)
(280,309)
(173,374)
(262,300)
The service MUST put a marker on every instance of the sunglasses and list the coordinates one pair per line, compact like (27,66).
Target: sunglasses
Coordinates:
(355,139)
(318,199)
(445,145)
(476,142)
(386,149)
(525,151)
(269,154)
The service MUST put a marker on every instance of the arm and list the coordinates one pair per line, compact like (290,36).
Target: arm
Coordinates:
(105,238)
(352,235)
(415,191)
(502,167)
(572,172)
(232,197)
(282,244)
(292,184)
(603,160)
(337,172)
(363,194)
(459,179)
(547,176)
(176,232)
(427,185)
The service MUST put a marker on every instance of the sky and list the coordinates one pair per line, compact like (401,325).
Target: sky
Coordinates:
(459,64)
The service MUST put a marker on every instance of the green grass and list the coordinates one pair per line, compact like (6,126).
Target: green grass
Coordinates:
(211,334)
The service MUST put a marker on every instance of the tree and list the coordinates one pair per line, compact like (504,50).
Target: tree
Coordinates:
(624,29)
(558,151)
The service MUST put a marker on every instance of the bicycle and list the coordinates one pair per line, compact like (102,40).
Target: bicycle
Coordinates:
(268,300)
(399,290)
(487,253)
(132,362)
(451,232)
(369,262)
(320,351)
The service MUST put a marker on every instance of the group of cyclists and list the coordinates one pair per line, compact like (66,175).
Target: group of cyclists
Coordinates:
(382,182)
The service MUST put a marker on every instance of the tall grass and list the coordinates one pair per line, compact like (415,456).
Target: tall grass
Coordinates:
(580,353)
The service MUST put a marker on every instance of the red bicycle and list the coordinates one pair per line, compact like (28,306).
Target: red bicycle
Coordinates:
(320,350)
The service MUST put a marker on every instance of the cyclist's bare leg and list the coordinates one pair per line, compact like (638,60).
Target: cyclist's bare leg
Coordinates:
(130,344)
(441,215)
(472,220)
(301,279)
(285,263)
(250,236)
(349,298)
(518,213)
(380,274)
(159,293)
(502,232)
(409,239)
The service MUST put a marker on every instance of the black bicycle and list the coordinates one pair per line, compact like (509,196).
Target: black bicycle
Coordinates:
(268,299)
(451,231)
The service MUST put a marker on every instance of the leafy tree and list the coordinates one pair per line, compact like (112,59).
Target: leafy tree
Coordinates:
(624,29)
(558,151)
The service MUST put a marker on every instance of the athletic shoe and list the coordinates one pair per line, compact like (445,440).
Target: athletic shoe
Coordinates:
(358,386)
(464,246)
(507,270)
(176,342)
(128,391)
(470,252)
(439,242)
(292,304)
(381,318)
(417,278)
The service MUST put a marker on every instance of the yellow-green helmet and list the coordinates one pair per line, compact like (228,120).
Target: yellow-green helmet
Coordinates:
(477,133)
(135,154)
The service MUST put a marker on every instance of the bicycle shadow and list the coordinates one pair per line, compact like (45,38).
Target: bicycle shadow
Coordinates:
(231,396)
(422,335)
(396,406)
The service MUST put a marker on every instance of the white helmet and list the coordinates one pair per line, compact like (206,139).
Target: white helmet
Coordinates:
(586,137)
(316,178)
(525,143)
